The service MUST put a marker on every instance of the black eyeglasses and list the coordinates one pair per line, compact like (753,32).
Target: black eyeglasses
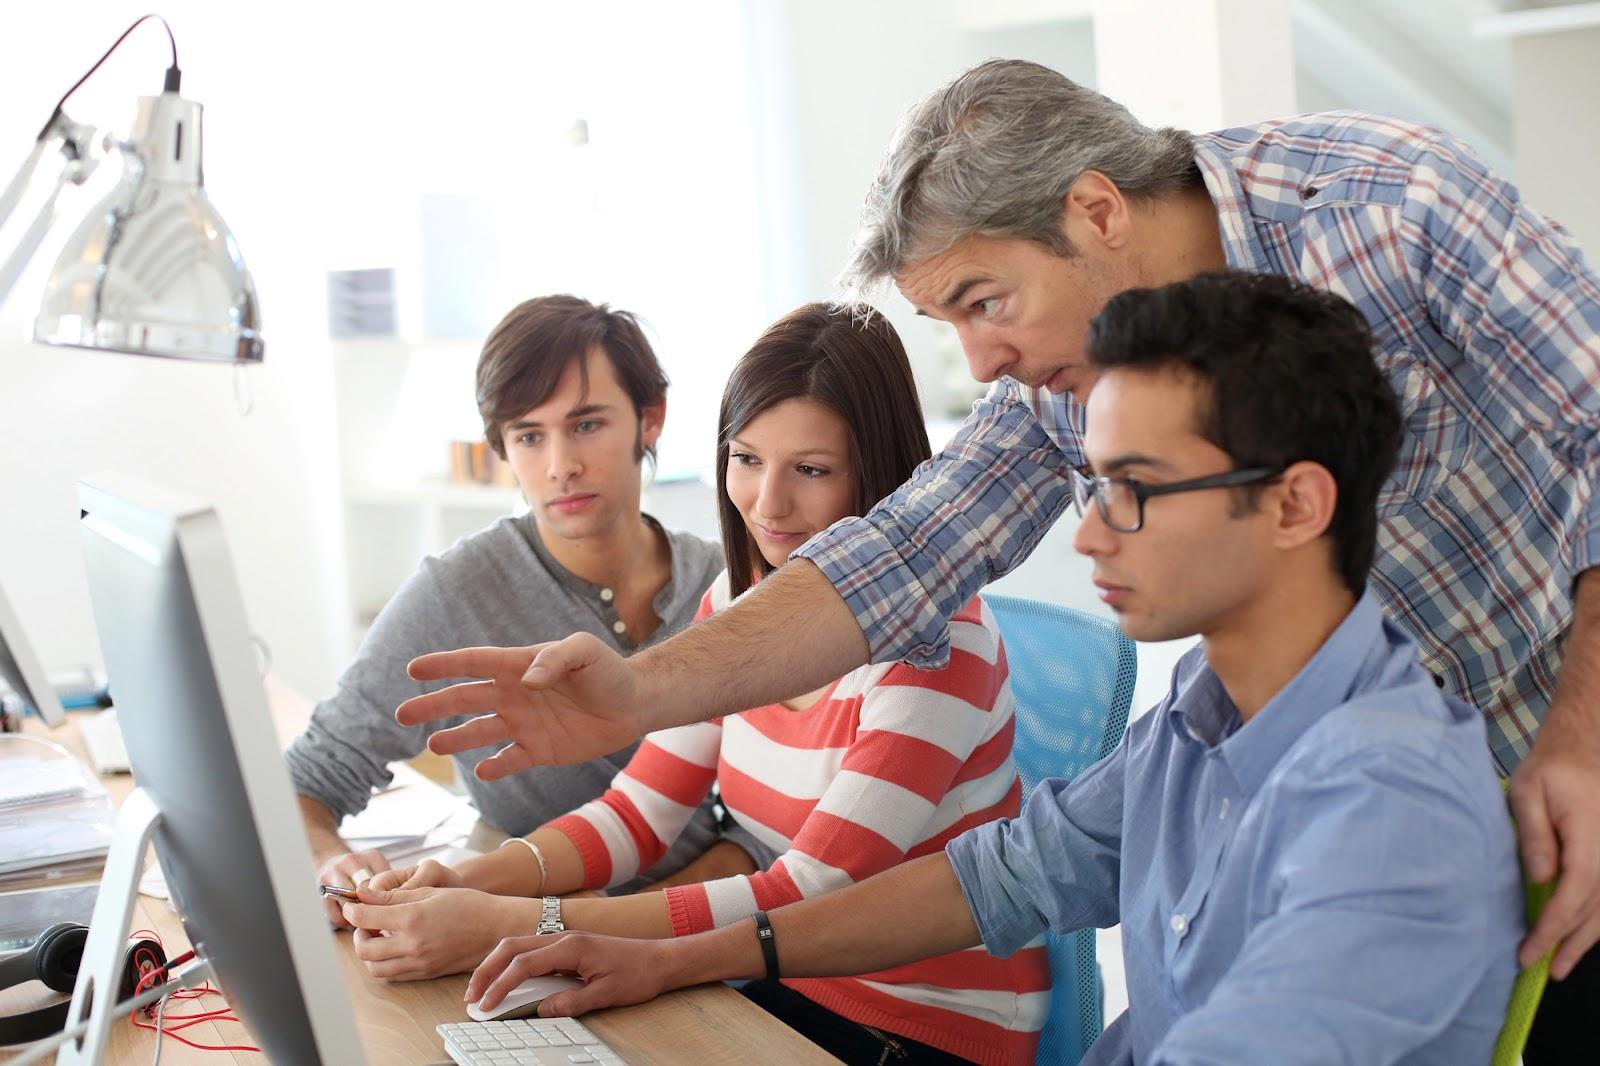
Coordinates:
(1121,500)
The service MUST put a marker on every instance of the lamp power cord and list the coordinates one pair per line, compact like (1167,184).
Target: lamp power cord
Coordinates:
(174,76)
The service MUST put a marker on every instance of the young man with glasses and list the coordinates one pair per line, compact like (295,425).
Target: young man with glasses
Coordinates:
(1305,842)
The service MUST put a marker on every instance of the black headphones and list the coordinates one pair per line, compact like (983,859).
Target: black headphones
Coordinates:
(54,959)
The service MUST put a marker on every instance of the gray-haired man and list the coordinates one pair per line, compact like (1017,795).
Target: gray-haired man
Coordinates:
(1012,204)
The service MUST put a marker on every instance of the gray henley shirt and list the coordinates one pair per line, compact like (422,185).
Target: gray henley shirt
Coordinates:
(498,587)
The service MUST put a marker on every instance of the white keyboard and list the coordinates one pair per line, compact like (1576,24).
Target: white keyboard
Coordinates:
(531,1041)
(102,739)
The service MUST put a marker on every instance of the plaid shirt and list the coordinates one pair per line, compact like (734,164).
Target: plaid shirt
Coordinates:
(1487,321)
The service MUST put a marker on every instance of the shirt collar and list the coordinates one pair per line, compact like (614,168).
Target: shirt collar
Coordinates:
(1240,243)
(1204,712)
(587,589)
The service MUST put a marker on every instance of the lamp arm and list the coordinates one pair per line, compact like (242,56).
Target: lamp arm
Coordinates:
(73,141)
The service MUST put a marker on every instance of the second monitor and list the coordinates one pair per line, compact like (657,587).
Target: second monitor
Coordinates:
(20,669)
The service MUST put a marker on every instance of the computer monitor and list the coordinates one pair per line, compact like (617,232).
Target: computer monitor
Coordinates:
(213,794)
(20,670)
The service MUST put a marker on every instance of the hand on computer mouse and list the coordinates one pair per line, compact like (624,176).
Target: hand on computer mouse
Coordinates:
(617,971)
(426,874)
(524,1000)
(348,868)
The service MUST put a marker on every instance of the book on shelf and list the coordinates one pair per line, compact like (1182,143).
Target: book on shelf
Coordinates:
(474,462)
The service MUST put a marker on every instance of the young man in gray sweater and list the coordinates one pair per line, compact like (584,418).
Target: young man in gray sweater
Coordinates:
(572,396)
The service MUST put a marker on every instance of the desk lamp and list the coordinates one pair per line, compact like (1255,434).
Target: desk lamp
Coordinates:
(152,269)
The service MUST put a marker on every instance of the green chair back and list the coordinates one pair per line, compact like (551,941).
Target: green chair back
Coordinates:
(1529,985)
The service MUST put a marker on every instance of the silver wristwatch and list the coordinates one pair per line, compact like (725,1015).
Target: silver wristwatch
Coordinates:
(550,916)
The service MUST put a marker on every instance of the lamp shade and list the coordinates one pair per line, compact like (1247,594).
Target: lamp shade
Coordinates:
(153,269)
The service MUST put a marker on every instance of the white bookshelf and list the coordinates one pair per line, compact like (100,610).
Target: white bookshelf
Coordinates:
(398,405)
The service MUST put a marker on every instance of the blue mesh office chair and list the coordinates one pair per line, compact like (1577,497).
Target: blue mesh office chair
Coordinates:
(1072,677)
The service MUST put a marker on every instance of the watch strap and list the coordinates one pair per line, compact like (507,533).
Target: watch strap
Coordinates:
(550,916)
(769,947)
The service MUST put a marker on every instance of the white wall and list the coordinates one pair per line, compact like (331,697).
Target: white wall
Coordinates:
(1556,126)
(325,125)
(65,413)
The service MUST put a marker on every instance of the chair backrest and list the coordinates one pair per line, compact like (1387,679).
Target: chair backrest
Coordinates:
(1527,989)
(1072,677)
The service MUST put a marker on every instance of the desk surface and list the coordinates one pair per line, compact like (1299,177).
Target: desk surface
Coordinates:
(701,1026)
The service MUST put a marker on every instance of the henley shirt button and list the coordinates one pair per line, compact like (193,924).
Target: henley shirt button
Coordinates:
(1180,924)
(1224,813)
(606,595)
(619,627)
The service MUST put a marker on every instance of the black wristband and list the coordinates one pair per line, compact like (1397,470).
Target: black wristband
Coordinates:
(769,949)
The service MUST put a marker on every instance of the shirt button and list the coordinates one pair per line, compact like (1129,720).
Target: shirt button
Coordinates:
(1224,813)
(619,627)
(606,595)
(1180,924)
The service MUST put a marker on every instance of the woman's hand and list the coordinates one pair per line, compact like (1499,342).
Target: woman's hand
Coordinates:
(617,971)
(351,869)
(408,934)
(426,874)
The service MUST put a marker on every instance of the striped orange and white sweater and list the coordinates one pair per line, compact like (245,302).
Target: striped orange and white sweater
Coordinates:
(888,765)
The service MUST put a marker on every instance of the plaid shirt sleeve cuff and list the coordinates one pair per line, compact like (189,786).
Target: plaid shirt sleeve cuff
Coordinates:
(900,620)
(1586,545)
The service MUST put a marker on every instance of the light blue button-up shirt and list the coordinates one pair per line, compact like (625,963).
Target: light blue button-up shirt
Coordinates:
(1334,882)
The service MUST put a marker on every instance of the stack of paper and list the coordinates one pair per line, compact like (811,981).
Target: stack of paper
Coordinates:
(412,815)
(30,781)
(55,818)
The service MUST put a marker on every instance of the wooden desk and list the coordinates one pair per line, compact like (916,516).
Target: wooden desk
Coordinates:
(702,1026)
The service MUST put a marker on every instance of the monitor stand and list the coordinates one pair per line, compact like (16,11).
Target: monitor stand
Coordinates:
(103,952)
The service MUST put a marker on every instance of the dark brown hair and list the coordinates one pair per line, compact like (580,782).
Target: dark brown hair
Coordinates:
(850,361)
(532,346)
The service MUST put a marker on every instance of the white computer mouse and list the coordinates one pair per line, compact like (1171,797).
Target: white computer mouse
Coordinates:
(523,1001)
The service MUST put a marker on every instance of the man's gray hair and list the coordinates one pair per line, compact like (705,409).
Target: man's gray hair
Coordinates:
(994,153)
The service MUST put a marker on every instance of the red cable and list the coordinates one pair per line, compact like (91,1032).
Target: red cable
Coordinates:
(185,1021)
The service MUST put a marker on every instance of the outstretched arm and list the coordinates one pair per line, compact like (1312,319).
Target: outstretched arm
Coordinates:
(882,587)
(577,699)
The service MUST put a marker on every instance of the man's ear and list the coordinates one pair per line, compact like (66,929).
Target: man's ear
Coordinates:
(1306,496)
(1095,213)
(652,417)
